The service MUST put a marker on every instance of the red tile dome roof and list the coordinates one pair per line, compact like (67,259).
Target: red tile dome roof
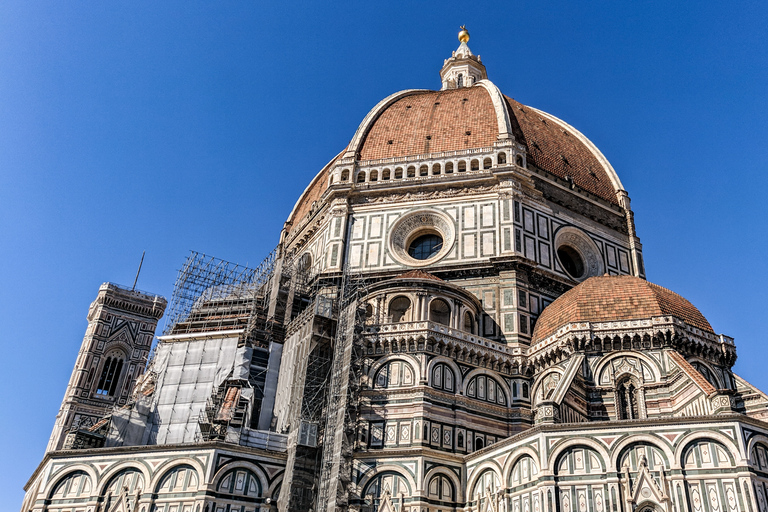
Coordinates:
(420,122)
(613,298)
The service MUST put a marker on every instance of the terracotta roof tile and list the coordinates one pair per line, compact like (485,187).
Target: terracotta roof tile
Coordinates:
(443,116)
(612,298)
(418,274)
(552,148)
(692,373)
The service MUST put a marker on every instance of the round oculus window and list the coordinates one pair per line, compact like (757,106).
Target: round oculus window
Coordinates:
(577,254)
(571,261)
(425,246)
(422,237)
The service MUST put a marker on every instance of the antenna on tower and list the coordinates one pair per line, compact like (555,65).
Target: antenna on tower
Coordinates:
(138,271)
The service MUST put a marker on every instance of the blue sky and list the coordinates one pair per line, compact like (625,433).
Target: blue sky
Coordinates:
(177,126)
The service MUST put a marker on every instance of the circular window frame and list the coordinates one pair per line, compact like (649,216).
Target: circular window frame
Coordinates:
(579,242)
(415,224)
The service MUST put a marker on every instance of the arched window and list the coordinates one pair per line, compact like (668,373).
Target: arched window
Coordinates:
(474,165)
(74,485)
(361,177)
(369,319)
(399,309)
(443,378)
(501,158)
(462,165)
(305,262)
(460,440)
(479,443)
(177,489)
(440,312)
(514,389)
(385,174)
(435,169)
(440,488)
(411,171)
(383,493)
(423,170)
(395,374)
(130,478)
(469,323)
(110,374)
(525,390)
(345,175)
(627,400)
(524,471)
(519,161)
(399,173)
(460,80)
(240,482)
(487,389)
(449,168)
(374,175)
(487,163)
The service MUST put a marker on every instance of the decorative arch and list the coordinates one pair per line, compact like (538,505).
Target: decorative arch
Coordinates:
(650,439)
(397,311)
(754,441)
(652,364)
(138,465)
(372,473)
(477,473)
(450,475)
(525,470)
(170,464)
(244,465)
(396,372)
(590,457)
(562,446)
(451,363)
(83,482)
(520,452)
(55,478)
(499,382)
(709,373)
(174,472)
(727,442)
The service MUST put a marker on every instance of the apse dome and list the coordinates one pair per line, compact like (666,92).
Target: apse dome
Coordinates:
(616,299)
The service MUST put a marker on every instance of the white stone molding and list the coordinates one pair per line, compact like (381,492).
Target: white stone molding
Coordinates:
(458,379)
(64,471)
(241,464)
(415,223)
(376,366)
(519,453)
(585,246)
(500,107)
(712,435)
(571,442)
(649,438)
(137,464)
(172,463)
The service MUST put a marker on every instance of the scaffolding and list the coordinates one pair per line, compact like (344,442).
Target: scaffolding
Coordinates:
(211,294)
(342,406)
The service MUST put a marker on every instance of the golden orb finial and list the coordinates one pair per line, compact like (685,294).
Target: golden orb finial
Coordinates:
(463,35)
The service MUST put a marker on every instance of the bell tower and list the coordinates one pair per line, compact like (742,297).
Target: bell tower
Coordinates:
(121,326)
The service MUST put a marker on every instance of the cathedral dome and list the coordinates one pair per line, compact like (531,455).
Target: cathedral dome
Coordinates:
(424,125)
(612,299)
